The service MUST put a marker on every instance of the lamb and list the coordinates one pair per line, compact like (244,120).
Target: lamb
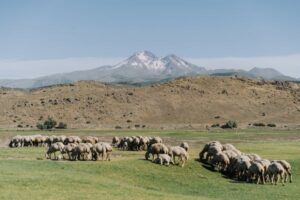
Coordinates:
(164,159)
(156,149)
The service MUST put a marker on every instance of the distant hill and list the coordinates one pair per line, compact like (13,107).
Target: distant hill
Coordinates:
(140,69)
(181,103)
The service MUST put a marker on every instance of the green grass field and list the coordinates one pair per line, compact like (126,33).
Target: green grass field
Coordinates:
(128,176)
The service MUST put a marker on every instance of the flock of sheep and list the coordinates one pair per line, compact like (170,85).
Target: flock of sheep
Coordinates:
(244,167)
(154,146)
(68,147)
(225,157)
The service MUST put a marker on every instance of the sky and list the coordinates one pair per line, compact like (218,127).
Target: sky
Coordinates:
(40,37)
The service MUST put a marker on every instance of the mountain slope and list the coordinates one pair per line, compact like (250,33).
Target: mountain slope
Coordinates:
(184,102)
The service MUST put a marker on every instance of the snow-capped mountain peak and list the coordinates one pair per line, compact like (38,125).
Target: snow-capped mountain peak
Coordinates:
(143,60)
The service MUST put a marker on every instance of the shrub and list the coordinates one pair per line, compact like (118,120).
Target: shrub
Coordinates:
(215,125)
(118,127)
(271,125)
(50,123)
(259,124)
(230,124)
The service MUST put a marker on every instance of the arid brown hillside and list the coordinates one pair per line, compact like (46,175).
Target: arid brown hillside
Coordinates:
(188,102)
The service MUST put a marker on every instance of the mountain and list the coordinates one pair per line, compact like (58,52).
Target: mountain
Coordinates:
(142,68)
(256,73)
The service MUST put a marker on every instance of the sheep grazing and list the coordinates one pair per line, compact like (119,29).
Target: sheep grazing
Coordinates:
(135,143)
(288,168)
(97,150)
(220,160)
(185,146)
(83,151)
(275,172)
(203,155)
(256,173)
(53,148)
(90,139)
(248,167)
(164,159)
(69,149)
(156,149)
(179,152)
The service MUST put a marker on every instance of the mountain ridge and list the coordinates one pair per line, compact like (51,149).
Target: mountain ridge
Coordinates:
(142,67)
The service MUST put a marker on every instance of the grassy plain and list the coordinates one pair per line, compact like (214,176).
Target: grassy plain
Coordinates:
(25,175)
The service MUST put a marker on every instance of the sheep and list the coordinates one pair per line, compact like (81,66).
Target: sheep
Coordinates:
(212,150)
(203,153)
(253,156)
(276,171)
(256,172)
(288,169)
(53,148)
(156,149)
(72,139)
(220,160)
(240,166)
(16,141)
(115,141)
(83,151)
(90,139)
(69,149)
(164,159)
(108,149)
(155,140)
(98,149)
(179,152)
(144,143)
(185,146)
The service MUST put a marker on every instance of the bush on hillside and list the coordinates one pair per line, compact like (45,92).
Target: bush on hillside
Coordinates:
(49,124)
(230,124)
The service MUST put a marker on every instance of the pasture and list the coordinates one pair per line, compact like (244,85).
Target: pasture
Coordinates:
(26,174)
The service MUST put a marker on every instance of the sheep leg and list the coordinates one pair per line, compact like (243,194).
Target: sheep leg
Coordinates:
(290,175)
(282,179)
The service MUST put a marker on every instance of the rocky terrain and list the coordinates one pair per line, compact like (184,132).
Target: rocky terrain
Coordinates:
(182,103)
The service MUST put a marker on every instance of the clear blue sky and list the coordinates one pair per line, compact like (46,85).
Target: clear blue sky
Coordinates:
(55,29)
